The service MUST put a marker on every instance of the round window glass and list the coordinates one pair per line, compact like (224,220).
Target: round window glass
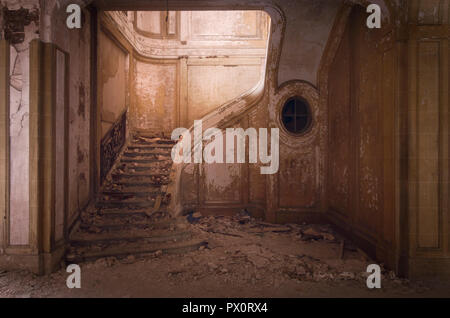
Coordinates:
(296,115)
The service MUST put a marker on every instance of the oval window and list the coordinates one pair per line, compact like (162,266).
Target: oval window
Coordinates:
(296,115)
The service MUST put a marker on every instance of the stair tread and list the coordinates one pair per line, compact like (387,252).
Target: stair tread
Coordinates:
(153,189)
(143,160)
(116,212)
(149,146)
(126,235)
(139,248)
(135,193)
(145,153)
(129,205)
(140,175)
(140,184)
(106,223)
(130,201)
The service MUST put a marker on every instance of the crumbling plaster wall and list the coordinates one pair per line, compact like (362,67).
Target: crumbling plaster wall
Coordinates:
(76,42)
(113,81)
(305,39)
(63,58)
(296,65)
(20,27)
(183,77)
(297,191)
(361,176)
(156,90)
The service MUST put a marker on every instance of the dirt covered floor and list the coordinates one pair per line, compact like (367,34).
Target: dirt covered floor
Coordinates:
(243,258)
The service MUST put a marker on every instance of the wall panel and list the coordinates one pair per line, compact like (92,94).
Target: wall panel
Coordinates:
(155,105)
(339,146)
(428,74)
(367,108)
(113,80)
(215,82)
(19,216)
(428,85)
(362,106)
(235,25)
(60,145)
(388,130)
(297,181)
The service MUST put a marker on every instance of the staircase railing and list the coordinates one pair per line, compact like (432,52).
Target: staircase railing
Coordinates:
(111,145)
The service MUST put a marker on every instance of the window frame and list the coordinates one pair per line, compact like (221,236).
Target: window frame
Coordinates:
(309,124)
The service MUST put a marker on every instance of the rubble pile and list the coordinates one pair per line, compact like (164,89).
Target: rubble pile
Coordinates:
(241,257)
(241,248)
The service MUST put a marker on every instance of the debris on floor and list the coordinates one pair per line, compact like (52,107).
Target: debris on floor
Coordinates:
(242,257)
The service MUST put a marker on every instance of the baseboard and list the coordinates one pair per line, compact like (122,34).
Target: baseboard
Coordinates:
(313,217)
(51,262)
(32,263)
(254,210)
(40,264)
(429,269)
(365,244)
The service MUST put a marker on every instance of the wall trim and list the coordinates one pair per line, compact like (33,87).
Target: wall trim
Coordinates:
(4,140)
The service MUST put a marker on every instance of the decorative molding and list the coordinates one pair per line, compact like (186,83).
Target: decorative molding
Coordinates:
(15,21)
(164,27)
(176,47)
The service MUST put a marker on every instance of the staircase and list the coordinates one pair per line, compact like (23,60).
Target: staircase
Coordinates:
(130,215)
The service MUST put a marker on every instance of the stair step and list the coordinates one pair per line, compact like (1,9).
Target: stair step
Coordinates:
(138,168)
(135,162)
(139,175)
(133,154)
(90,239)
(122,195)
(129,199)
(137,249)
(152,135)
(140,183)
(119,187)
(126,196)
(144,160)
(126,212)
(160,225)
(152,141)
(121,204)
(163,144)
(133,146)
(129,168)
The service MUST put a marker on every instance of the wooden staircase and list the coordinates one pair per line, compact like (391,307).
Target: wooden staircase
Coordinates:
(126,218)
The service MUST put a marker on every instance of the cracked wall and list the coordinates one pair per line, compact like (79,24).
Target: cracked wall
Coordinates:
(361,118)
(182,76)
(20,26)
(113,81)
(76,43)
(306,38)
(23,21)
